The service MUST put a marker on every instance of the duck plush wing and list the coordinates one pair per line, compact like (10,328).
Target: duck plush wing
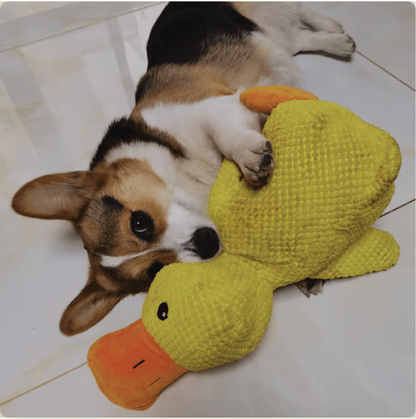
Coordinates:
(375,251)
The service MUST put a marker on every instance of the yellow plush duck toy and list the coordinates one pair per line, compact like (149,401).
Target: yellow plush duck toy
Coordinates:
(333,178)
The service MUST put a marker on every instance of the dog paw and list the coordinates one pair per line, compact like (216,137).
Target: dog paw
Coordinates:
(311,286)
(257,165)
(342,45)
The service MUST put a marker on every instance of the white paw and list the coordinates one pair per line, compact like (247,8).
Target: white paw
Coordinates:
(257,165)
(341,44)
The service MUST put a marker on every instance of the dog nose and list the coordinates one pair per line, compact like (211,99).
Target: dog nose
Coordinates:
(206,242)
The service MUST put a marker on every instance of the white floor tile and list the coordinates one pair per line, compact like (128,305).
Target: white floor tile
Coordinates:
(374,96)
(57,98)
(383,31)
(24,23)
(348,352)
(11,11)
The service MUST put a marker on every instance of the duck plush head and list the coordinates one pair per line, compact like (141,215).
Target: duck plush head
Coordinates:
(333,178)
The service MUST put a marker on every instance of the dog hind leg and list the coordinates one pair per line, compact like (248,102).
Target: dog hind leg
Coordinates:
(311,286)
(319,22)
(333,43)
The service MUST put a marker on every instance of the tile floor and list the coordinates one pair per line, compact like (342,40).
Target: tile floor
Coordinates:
(66,70)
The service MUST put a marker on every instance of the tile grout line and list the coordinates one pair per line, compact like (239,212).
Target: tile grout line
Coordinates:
(116,16)
(80,27)
(159,2)
(85,363)
(41,385)
(386,71)
(400,206)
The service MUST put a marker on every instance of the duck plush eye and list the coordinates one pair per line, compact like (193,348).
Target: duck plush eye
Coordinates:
(142,225)
(162,311)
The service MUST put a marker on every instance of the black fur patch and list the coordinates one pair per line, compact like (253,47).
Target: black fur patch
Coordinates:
(112,204)
(129,285)
(185,30)
(124,131)
(154,269)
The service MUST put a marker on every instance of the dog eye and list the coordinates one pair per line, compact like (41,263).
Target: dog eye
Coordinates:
(142,225)
(139,224)
(162,311)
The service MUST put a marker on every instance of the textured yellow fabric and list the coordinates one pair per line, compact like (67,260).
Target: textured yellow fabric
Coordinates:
(216,315)
(374,251)
(333,178)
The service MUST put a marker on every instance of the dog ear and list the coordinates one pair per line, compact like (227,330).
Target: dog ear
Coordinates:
(91,305)
(58,196)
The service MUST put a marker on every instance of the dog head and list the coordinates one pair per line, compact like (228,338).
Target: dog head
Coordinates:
(130,214)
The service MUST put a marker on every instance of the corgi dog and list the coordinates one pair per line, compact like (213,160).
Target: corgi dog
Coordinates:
(143,202)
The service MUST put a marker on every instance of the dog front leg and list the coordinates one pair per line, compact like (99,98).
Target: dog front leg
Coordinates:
(236,132)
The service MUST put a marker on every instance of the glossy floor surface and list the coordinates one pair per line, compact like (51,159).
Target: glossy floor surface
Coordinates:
(67,69)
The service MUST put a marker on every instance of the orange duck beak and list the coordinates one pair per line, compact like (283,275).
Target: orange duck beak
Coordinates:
(130,368)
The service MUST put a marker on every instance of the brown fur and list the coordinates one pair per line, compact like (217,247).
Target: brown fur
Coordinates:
(219,73)
(179,84)
(76,197)
(106,287)
(100,202)
(241,65)
(243,8)
(38,198)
